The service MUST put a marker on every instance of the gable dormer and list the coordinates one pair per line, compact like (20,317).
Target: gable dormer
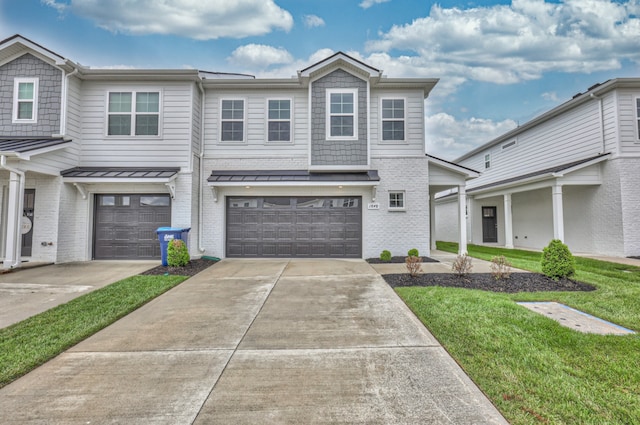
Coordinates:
(31,88)
(339,89)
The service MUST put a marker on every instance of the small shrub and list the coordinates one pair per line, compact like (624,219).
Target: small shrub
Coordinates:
(385,255)
(177,253)
(557,261)
(413,252)
(500,267)
(413,265)
(462,265)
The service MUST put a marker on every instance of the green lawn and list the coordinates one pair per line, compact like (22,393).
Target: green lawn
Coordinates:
(32,342)
(534,370)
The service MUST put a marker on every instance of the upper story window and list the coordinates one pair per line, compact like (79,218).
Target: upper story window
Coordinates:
(25,100)
(232,120)
(487,161)
(393,119)
(279,120)
(342,113)
(134,114)
(638,117)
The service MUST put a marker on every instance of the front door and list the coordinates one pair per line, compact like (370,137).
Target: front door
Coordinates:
(489,224)
(26,227)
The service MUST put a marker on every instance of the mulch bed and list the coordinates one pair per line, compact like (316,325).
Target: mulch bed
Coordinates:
(398,260)
(517,282)
(194,267)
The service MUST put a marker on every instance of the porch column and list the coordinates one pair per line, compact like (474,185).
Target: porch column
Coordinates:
(432,220)
(13,241)
(558,212)
(462,219)
(508,222)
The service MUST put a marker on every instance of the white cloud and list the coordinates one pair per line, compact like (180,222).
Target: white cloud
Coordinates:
(518,42)
(312,21)
(449,138)
(552,96)
(197,19)
(365,4)
(259,56)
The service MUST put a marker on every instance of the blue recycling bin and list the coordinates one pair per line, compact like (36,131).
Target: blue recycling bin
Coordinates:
(166,235)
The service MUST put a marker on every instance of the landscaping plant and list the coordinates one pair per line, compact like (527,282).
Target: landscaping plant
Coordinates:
(413,265)
(385,255)
(177,253)
(500,267)
(413,252)
(557,261)
(462,265)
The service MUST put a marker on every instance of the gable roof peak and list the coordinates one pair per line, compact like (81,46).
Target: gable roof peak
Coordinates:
(342,59)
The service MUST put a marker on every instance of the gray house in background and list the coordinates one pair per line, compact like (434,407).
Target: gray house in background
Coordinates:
(329,163)
(573,174)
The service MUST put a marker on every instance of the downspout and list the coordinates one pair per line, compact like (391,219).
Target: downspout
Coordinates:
(65,102)
(201,161)
(20,209)
(602,139)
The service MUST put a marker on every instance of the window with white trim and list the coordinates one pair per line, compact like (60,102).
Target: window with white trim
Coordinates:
(342,113)
(279,120)
(232,120)
(638,118)
(25,100)
(133,114)
(393,119)
(397,200)
(487,161)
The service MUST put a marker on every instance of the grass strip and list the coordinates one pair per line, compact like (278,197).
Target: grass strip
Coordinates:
(32,342)
(532,368)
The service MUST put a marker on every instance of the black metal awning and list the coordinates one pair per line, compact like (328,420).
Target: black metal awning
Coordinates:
(22,147)
(230,177)
(88,174)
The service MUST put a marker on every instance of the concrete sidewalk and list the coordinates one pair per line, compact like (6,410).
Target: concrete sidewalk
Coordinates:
(29,291)
(258,341)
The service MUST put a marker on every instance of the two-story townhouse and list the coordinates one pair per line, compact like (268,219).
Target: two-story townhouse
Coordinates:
(571,174)
(93,160)
(328,163)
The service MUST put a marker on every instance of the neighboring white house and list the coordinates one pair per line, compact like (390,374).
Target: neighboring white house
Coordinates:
(329,163)
(572,173)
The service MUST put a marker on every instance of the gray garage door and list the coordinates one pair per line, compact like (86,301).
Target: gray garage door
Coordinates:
(294,227)
(125,225)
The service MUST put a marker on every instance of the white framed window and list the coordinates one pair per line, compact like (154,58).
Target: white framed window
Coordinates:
(487,161)
(232,120)
(279,120)
(25,100)
(393,119)
(342,114)
(397,201)
(638,119)
(132,113)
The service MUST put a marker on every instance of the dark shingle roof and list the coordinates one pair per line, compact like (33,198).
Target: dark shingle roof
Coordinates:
(21,145)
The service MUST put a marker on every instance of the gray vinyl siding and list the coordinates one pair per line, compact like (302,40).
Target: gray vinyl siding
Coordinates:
(171,148)
(48,102)
(255,125)
(337,152)
(628,124)
(414,143)
(571,136)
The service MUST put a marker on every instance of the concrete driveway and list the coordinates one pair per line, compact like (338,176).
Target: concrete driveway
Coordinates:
(257,341)
(27,292)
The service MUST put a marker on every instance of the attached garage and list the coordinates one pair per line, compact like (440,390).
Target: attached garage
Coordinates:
(294,227)
(125,225)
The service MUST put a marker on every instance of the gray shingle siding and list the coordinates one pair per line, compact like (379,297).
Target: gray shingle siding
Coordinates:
(337,152)
(49,97)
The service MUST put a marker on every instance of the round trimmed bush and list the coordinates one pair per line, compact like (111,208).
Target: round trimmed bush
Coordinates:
(557,261)
(385,255)
(177,253)
(413,252)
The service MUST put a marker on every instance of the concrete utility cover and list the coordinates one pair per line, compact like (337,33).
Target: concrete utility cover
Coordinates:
(575,319)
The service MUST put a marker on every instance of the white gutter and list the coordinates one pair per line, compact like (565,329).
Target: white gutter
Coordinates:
(20,208)
(201,161)
(64,102)
(601,115)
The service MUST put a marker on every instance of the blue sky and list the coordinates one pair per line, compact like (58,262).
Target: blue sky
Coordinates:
(500,63)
